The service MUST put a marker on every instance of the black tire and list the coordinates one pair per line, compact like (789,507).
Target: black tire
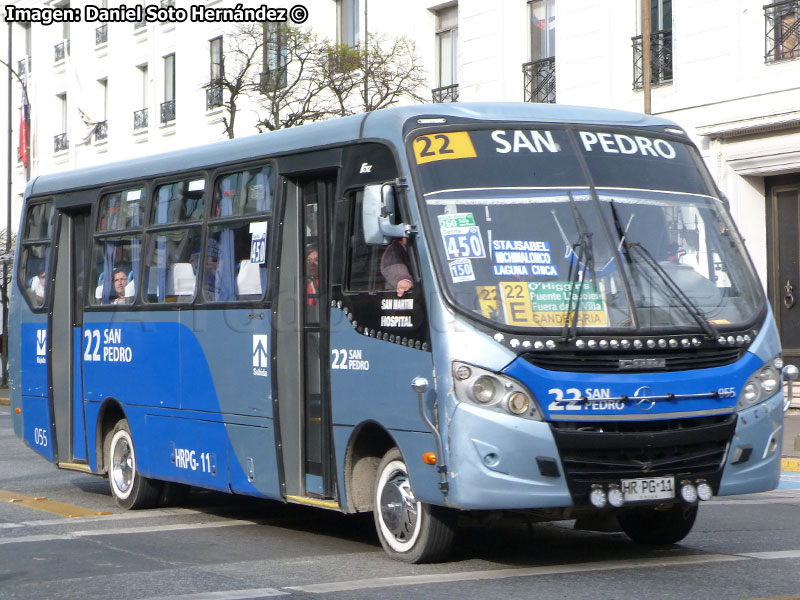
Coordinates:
(409,530)
(654,526)
(130,489)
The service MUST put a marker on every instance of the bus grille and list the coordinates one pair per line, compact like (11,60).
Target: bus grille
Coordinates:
(605,452)
(590,362)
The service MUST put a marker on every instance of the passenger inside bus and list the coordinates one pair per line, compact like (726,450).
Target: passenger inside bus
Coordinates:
(120,281)
(312,275)
(395,267)
(37,288)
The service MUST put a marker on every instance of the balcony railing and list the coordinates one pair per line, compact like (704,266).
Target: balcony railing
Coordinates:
(62,50)
(24,67)
(140,119)
(60,142)
(101,131)
(168,111)
(540,80)
(448,93)
(213,96)
(782,30)
(101,34)
(660,59)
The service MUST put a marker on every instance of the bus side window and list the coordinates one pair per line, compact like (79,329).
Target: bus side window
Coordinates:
(173,249)
(364,260)
(236,250)
(35,252)
(117,248)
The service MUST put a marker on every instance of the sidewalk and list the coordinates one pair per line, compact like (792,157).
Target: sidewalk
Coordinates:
(4,401)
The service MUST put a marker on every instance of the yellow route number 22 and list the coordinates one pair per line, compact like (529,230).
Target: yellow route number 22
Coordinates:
(443,146)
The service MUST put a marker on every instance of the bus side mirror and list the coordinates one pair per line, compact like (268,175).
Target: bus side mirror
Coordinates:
(377,210)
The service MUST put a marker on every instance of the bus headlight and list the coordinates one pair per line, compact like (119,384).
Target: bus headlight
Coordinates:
(494,391)
(762,384)
(484,389)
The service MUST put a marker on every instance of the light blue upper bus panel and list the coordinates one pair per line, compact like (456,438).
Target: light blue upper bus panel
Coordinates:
(383,124)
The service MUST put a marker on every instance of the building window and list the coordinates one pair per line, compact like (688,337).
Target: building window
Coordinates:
(101,127)
(782,30)
(446,55)
(214,88)
(62,48)
(61,142)
(540,71)
(140,116)
(347,19)
(660,45)
(168,106)
(275,58)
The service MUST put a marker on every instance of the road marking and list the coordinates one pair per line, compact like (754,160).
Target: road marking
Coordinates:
(775,554)
(125,531)
(163,528)
(49,506)
(611,565)
(227,595)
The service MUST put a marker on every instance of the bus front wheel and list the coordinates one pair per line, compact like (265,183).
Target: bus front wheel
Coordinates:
(409,530)
(130,489)
(656,526)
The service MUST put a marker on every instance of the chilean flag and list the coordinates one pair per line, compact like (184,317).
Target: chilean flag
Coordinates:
(24,119)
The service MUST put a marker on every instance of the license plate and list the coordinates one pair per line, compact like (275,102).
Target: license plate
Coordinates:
(653,488)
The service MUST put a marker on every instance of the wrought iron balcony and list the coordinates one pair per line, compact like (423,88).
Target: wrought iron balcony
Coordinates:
(448,93)
(213,96)
(782,30)
(24,67)
(60,142)
(62,50)
(101,131)
(101,34)
(273,79)
(140,119)
(168,111)
(660,59)
(540,80)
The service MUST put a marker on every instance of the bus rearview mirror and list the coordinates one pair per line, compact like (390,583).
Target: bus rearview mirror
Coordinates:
(377,210)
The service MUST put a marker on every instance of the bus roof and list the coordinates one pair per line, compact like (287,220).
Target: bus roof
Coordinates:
(386,123)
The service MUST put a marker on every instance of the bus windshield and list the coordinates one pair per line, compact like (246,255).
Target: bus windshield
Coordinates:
(602,230)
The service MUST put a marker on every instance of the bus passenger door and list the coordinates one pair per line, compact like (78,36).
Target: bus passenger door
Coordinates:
(66,338)
(301,323)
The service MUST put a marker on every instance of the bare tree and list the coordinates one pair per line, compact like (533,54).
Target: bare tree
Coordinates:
(393,72)
(339,68)
(242,59)
(289,91)
(7,271)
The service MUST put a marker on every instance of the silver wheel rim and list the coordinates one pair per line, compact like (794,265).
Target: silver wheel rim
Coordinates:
(123,464)
(399,510)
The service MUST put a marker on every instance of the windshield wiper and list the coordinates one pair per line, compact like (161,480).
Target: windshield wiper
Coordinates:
(585,255)
(693,310)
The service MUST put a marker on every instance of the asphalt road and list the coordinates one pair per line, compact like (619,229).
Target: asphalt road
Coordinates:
(220,547)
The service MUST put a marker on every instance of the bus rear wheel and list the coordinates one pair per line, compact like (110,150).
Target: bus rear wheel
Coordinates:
(130,489)
(655,526)
(409,530)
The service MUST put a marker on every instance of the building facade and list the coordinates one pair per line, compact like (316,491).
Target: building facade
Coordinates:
(727,71)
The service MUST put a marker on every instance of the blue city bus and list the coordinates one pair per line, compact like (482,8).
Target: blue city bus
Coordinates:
(579,332)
